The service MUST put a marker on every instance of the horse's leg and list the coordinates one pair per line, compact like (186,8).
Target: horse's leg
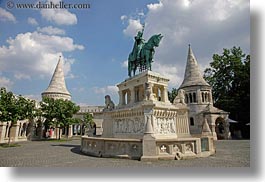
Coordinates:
(129,70)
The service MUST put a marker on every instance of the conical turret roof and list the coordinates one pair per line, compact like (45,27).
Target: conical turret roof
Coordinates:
(193,75)
(57,84)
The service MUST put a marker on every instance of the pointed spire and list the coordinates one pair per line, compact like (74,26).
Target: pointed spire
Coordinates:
(149,127)
(205,128)
(192,73)
(57,87)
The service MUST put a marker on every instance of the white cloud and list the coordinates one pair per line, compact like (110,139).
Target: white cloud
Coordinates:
(36,97)
(155,6)
(5,82)
(51,30)
(22,76)
(123,17)
(124,64)
(101,92)
(6,15)
(32,21)
(209,26)
(83,104)
(133,27)
(40,54)
(59,16)
(79,89)
(110,89)
(141,14)
(169,71)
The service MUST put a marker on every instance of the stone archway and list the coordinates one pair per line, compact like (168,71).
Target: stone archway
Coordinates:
(221,128)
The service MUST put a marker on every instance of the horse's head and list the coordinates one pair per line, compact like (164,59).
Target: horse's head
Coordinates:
(155,40)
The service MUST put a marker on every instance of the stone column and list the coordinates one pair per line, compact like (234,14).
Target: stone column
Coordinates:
(132,99)
(149,142)
(2,131)
(120,98)
(165,95)
(210,97)
(226,128)
(205,128)
(212,127)
(57,132)
(14,132)
(199,96)
(151,91)
(70,131)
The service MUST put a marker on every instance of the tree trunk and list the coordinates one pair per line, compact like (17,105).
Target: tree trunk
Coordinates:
(67,132)
(9,132)
(56,136)
(59,133)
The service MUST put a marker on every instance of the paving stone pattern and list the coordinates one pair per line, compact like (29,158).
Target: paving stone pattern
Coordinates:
(230,153)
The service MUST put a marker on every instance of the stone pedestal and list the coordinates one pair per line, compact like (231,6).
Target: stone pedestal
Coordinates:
(149,148)
(145,125)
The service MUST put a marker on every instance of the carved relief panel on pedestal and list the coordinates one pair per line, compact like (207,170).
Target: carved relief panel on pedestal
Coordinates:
(132,125)
(164,125)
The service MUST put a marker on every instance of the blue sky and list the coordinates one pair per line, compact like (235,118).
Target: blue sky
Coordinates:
(96,42)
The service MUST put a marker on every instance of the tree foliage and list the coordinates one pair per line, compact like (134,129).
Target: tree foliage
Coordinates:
(229,77)
(58,112)
(172,94)
(88,120)
(14,108)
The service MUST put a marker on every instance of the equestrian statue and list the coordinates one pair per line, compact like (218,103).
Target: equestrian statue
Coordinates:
(142,54)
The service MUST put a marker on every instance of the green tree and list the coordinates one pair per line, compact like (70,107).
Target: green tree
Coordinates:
(65,110)
(58,112)
(47,111)
(14,108)
(229,77)
(172,94)
(88,120)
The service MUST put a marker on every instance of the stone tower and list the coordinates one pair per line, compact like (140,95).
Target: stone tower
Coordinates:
(57,87)
(198,97)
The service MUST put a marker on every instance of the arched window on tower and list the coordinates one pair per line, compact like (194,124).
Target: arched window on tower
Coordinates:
(190,96)
(205,95)
(202,96)
(191,121)
(194,97)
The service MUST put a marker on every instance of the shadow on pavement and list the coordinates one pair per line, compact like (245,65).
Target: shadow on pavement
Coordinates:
(75,148)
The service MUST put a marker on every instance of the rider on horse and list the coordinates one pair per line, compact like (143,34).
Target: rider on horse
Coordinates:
(142,53)
(138,44)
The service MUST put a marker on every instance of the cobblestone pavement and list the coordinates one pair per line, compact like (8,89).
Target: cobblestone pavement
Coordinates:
(230,153)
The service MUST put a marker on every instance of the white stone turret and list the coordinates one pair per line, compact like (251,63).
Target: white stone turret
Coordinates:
(193,75)
(197,90)
(57,87)
(198,97)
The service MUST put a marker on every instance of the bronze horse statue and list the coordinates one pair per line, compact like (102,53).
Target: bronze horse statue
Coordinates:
(145,56)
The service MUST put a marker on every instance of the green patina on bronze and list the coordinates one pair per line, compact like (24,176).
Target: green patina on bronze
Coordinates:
(142,54)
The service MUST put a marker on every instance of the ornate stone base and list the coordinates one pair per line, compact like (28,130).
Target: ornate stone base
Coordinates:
(146,126)
(160,149)
(111,147)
